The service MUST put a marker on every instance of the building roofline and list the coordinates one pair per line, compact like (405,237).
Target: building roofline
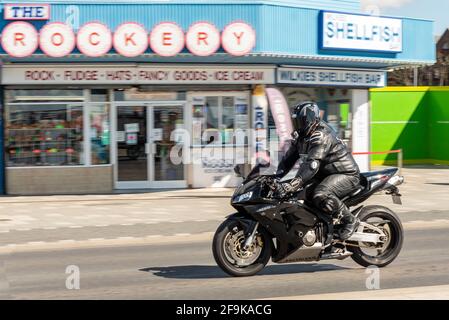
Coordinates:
(277,3)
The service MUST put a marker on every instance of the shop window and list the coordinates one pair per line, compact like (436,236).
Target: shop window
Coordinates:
(215,119)
(46,127)
(44,134)
(99,133)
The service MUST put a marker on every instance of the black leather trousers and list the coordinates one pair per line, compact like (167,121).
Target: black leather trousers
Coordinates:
(328,194)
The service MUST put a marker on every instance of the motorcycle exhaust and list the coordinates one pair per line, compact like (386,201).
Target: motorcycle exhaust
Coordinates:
(395,181)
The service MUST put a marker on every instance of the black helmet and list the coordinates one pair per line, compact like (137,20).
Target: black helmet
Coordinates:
(306,117)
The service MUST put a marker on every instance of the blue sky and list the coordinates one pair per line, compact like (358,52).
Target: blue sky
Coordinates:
(437,10)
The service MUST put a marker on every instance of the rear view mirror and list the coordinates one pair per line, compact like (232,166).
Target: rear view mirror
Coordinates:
(238,171)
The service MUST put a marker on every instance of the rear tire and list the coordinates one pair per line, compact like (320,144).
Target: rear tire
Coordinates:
(222,258)
(396,238)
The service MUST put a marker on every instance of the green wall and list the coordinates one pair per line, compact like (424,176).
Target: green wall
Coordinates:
(439,126)
(414,119)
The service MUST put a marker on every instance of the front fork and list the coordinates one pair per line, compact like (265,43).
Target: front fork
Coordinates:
(251,234)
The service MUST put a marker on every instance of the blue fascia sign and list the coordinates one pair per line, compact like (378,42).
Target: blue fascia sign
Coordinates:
(341,31)
(332,77)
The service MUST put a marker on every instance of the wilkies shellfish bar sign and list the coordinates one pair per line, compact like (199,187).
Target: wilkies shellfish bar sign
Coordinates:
(136,74)
(94,39)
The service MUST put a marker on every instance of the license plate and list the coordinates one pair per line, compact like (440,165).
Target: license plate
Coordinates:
(397,199)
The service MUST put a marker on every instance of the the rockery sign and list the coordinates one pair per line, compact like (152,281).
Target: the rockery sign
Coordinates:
(95,39)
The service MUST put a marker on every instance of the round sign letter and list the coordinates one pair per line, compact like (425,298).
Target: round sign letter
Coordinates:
(203,39)
(94,39)
(57,39)
(130,39)
(167,39)
(238,38)
(19,39)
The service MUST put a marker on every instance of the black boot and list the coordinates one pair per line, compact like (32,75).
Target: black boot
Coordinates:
(349,224)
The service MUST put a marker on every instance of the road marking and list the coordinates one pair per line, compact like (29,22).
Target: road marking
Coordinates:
(75,227)
(66,241)
(182,234)
(99,242)
(422,225)
(415,293)
(36,243)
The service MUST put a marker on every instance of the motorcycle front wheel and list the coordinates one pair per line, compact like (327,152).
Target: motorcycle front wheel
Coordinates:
(380,256)
(229,252)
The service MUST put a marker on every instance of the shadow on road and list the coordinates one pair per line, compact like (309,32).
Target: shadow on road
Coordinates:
(214,272)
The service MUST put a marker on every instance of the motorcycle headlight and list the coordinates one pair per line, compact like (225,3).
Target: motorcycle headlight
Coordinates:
(244,197)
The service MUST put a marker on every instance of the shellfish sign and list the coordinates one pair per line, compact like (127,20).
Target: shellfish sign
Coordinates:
(130,39)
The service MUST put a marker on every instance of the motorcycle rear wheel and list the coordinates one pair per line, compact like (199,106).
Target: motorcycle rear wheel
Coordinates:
(240,262)
(391,249)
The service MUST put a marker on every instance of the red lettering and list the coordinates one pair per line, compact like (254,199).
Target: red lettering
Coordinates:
(191,75)
(81,75)
(129,38)
(166,39)
(238,36)
(202,36)
(18,38)
(57,39)
(222,75)
(39,75)
(91,38)
(153,75)
(119,75)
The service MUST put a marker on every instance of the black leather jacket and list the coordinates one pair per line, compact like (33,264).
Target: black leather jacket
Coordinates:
(325,154)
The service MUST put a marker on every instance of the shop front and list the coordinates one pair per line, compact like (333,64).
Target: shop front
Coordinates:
(124,134)
(171,101)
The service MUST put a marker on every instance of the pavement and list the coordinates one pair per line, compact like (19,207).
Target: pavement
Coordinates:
(156,245)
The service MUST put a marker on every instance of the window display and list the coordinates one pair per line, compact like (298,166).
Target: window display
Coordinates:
(47,127)
(44,134)
(216,117)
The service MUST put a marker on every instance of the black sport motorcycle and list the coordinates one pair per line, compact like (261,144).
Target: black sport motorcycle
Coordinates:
(291,229)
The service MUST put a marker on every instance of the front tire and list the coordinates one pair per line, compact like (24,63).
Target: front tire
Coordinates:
(391,249)
(230,236)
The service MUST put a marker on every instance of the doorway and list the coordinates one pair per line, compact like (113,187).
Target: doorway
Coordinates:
(145,136)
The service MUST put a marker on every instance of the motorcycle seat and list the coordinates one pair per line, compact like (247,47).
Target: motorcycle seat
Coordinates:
(354,193)
(364,186)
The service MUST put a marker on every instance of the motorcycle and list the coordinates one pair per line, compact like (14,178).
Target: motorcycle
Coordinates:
(290,229)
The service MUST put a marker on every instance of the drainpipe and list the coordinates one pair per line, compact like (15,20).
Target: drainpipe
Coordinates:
(415,76)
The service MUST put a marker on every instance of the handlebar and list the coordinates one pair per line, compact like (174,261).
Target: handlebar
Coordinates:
(276,187)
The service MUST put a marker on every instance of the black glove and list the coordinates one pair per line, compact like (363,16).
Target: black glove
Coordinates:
(287,188)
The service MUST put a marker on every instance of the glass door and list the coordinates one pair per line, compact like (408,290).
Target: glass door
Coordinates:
(149,143)
(167,134)
(132,147)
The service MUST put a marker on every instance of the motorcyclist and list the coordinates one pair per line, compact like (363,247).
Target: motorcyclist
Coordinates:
(327,159)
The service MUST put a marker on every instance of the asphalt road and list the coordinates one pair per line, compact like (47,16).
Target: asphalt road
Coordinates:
(182,267)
